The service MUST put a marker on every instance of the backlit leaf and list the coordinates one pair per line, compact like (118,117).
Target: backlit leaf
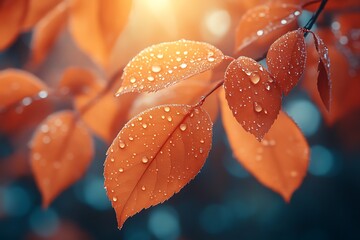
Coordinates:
(36,10)
(279,162)
(61,151)
(324,79)
(23,101)
(261,26)
(164,64)
(286,60)
(12,14)
(95,26)
(155,155)
(47,31)
(252,95)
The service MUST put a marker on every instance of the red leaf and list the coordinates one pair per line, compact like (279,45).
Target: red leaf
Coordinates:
(286,60)
(96,25)
(12,14)
(36,11)
(61,151)
(261,26)
(23,101)
(324,80)
(279,162)
(47,31)
(164,64)
(107,114)
(252,95)
(156,154)
(345,84)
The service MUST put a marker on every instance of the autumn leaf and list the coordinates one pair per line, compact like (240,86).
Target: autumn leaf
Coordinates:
(47,31)
(165,64)
(61,151)
(155,155)
(252,95)
(95,26)
(36,10)
(185,92)
(279,161)
(259,27)
(23,101)
(286,60)
(105,115)
(345,85)
(12,15)
(324,78)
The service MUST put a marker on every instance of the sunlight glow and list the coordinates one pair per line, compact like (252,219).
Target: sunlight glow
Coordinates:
(218,23)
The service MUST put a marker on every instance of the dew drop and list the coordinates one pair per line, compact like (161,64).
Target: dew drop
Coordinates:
(151,78)
(144,159)
(169,118)
(160,56)
(143,188)
(144,125)
(211,59)
(183,65)
(112,160)
(167,109)
(121,170)
(255,78)
(260,32)
(132,80)
(257,107)
(121,144)
(114,199)
(178,59)
(156,69)
(283,21)
(183,127)
(202,141)
(268,87)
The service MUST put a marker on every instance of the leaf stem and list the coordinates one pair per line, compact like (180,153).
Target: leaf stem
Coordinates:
(216,86)
(315,16)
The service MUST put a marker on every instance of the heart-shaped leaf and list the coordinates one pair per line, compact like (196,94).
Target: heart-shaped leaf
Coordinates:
(252,95)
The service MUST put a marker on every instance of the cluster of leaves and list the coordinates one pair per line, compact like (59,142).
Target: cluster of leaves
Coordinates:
(171,95)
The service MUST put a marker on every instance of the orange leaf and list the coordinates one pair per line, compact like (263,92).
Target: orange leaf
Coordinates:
(156,154)
(165,64)
(47,31)
(324,80)
(61,151)
(185,92)
(261,26)
(286,60)
(23,101)
(252,95)
(96,25)
(279,162)
(107,114)
(11,18)
(36,11)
